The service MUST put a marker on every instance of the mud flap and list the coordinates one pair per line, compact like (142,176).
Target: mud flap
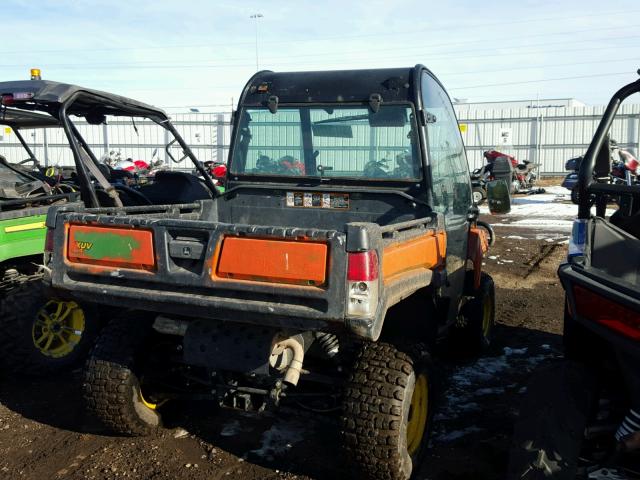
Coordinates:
(229,347)
(477,246)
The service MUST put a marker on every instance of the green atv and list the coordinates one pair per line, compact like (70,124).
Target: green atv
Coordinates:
(38,334)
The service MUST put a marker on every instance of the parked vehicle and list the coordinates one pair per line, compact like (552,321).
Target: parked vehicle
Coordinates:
(567,423)
(218,172)
(479,178)
(39,334)
(570,181)
(131,172)
(521,177)
(308,282)
(622,171)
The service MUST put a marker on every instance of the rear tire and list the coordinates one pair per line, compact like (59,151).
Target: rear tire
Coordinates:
(548,434)
(386,412)
(474,333)
(40,335)
(112,379)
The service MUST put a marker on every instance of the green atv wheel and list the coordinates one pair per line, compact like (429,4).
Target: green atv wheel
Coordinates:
(40,335)
(113,383)
(387,412)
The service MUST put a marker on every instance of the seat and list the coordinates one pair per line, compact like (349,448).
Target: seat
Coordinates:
(171,187)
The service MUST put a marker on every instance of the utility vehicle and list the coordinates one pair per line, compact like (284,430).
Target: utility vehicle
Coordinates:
(573,409)
(345,245)
(38,334)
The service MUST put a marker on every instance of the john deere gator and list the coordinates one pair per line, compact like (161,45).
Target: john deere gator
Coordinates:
(38,334)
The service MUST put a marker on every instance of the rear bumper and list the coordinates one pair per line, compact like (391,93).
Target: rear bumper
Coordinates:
(277,311)
(571,275)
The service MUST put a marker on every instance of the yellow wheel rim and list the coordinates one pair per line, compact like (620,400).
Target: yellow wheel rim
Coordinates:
(487,309)
(418,412)
(146,403)
(58,328)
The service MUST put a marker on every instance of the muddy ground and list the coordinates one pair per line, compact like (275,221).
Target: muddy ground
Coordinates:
(44,433)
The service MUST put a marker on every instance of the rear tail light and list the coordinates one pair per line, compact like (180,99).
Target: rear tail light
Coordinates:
(578,240)
(362,284)
(10,98)
(597,308)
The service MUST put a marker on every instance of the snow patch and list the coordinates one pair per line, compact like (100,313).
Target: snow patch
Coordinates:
(476,379)
(233,428)
(551,211)
(489,391)
(514,351)
(280,438)
(456,434)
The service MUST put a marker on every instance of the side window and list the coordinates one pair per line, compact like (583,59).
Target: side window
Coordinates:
(449,169)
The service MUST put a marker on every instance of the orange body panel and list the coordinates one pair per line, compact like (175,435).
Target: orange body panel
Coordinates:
(277,261)
(477,246)
(423,253)
(110,247)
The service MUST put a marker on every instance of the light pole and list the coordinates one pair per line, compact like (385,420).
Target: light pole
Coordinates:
(256,17)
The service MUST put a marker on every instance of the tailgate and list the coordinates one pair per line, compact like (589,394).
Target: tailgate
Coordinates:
(603,287)
(202,268)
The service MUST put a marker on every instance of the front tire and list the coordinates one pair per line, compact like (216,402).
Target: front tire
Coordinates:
(112,385)
(479,195)
(40,335)
(386,412)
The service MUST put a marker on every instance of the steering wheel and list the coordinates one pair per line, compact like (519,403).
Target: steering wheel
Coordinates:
(134,194)
(171,156)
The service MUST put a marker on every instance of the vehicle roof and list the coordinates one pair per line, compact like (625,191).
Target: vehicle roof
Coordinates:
(48,93)
(393,84)
(24,119)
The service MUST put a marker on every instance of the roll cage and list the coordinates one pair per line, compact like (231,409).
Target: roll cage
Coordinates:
(21,119)
(61,100)
(587,183)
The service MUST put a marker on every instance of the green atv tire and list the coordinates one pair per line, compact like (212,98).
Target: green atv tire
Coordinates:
(387,412)
(41,335)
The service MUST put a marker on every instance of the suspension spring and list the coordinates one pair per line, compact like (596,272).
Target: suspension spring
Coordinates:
(329,343)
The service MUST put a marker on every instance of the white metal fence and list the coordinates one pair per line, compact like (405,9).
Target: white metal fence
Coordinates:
(548,136)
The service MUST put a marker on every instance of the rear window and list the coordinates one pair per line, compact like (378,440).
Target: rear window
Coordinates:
(335,142)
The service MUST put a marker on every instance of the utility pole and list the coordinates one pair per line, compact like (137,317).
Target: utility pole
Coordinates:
(256,17)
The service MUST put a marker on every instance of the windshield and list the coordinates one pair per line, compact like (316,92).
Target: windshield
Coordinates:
(335,142)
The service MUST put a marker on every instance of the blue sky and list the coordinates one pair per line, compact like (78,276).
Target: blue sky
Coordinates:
(197,53)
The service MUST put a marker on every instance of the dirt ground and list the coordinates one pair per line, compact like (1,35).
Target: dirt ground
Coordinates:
(44,433)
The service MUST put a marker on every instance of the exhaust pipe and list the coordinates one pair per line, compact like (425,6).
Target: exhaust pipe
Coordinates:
(294,368)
